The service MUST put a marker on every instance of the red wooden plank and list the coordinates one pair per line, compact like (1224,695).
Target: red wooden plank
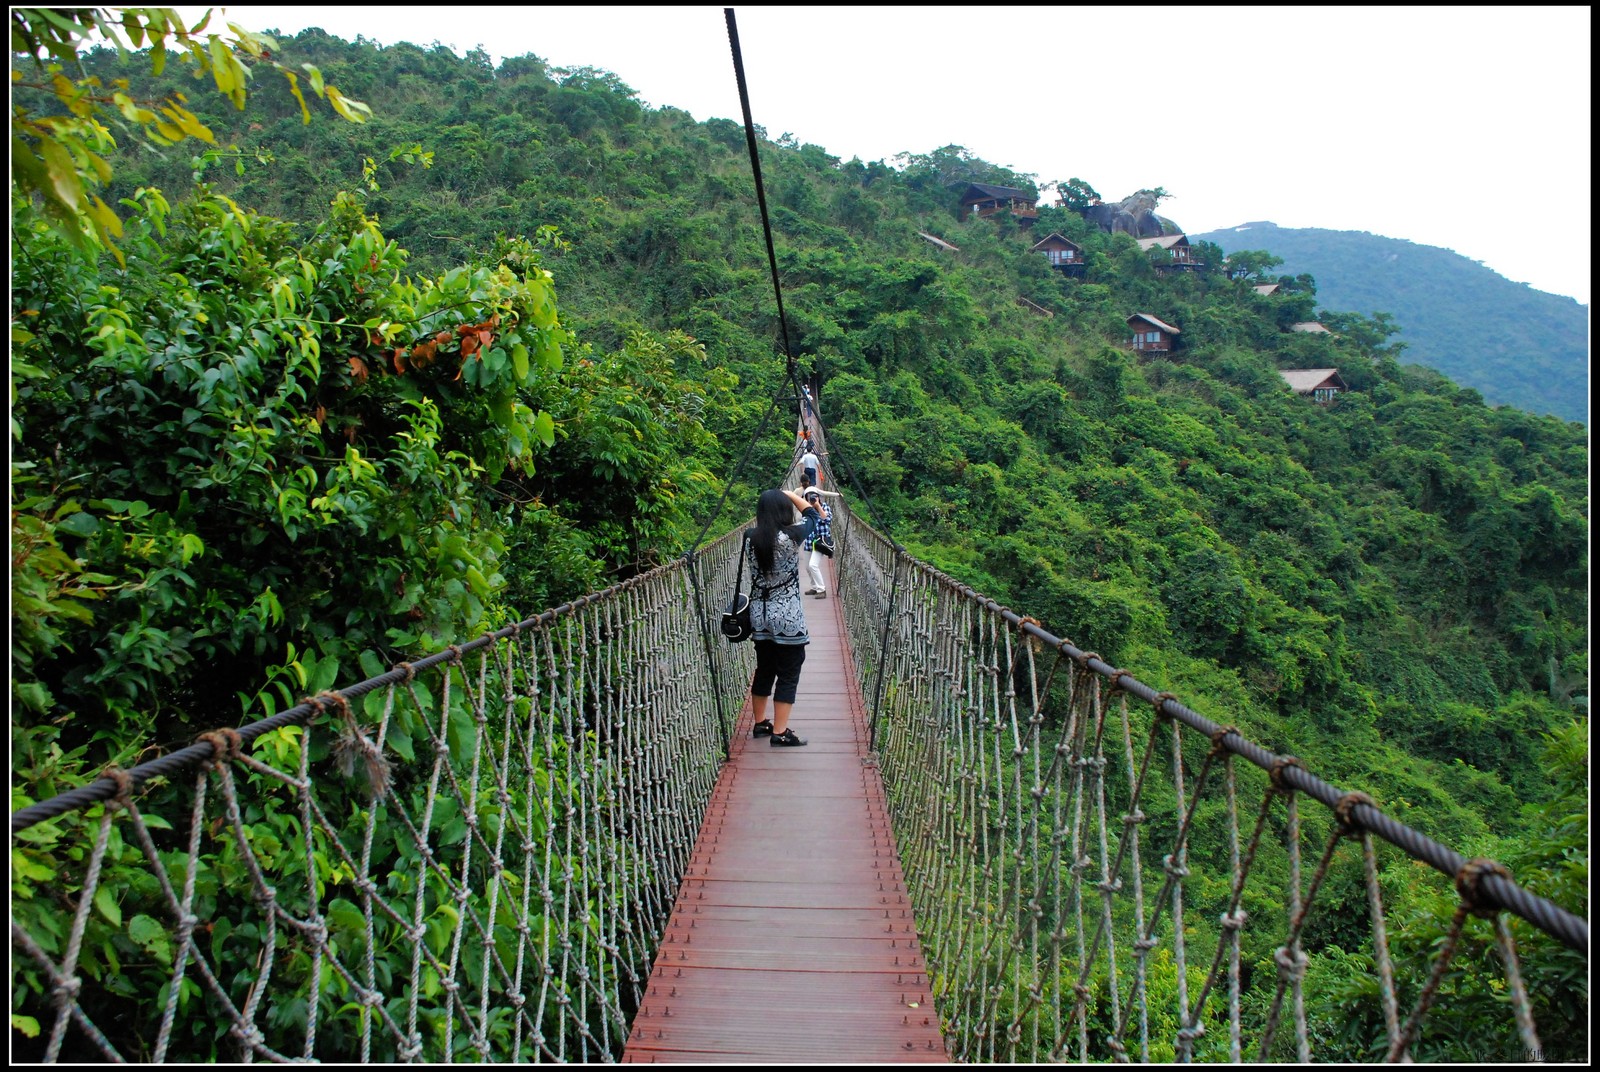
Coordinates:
(792,939)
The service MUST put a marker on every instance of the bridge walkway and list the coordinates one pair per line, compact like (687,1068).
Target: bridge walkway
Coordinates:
(792,938)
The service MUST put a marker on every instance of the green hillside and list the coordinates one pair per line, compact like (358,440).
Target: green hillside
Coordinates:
(338,407)
(1519,346)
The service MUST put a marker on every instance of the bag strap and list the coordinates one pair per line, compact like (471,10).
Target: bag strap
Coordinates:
(738,578)
(767,590)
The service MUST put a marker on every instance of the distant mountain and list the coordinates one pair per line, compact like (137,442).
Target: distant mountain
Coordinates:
(1516,345)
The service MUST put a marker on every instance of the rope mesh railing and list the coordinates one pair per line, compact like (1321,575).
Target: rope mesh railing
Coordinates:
(469,858)
(1046,806)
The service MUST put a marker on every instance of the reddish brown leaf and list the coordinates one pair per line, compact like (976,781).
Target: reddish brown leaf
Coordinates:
(442,338)
(400,359)
(469,344)
(358,369)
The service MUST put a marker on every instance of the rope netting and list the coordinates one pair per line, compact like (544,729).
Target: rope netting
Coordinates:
(470,858)
(1081,852)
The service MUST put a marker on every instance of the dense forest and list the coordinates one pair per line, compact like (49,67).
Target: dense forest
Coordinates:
(1517,345)
(342,393)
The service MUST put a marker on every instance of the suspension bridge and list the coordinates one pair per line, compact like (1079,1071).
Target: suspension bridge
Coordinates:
(558,843)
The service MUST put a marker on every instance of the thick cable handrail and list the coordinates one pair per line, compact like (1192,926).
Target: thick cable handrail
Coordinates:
(467,857)
(1500,892)
(201,752)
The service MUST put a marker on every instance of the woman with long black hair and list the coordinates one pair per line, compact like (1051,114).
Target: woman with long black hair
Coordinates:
(777,613)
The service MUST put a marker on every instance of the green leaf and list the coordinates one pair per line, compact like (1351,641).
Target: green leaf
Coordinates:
(548,352)
(106,902)
(26,1024)
(294,87)
(66,185)
(352,110)
(145,931)
(221,68)
(544,426)
(79,524)
(503,407)
(400,740)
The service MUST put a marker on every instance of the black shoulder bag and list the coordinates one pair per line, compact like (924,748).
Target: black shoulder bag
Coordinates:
(736,621)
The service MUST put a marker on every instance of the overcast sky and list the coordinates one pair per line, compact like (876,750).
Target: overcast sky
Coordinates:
(1462,127)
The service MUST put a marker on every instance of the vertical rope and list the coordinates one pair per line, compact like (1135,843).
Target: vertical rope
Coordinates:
(1520,1005)
(1380,941)
(883,656)
(1233,919)
(1131,821)
(1187,1030)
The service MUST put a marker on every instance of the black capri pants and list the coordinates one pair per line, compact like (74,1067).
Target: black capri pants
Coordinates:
(778,663)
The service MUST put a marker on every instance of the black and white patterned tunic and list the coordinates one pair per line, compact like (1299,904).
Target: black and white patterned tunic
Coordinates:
(776,610)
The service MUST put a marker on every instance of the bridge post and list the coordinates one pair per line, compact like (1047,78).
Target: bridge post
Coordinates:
(692,568)
(883,652)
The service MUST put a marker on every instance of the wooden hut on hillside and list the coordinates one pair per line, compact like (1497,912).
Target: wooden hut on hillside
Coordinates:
(986,201)
(1151,335)
(1310,327)
(1182,256)
(1063,252)
(1320,384)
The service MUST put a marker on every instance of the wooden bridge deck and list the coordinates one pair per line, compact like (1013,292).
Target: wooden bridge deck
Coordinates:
(792,939)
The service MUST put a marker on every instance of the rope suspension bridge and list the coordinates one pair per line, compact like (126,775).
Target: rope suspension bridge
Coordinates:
(556,843)
(477,856)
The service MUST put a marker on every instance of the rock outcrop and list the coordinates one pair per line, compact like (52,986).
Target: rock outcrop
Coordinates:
(1134,215)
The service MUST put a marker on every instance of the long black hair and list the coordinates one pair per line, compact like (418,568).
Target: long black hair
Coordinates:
(774,514)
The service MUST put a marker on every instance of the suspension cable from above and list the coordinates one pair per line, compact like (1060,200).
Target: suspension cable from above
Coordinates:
(791,372)
(755,168)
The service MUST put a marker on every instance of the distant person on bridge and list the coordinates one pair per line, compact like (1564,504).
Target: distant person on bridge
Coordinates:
(811,412)
(776,611)
(824,532)
(808,462)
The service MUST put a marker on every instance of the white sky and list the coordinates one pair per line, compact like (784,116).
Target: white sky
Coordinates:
(1462,127)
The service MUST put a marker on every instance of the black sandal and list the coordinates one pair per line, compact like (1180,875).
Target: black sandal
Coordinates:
(786,739)
(762,728)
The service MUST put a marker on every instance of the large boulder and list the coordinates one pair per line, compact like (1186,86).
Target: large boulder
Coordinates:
(1134,215)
